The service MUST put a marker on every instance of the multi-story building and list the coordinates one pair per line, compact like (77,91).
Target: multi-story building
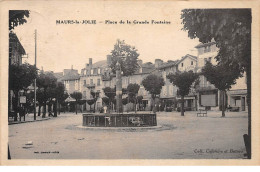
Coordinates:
(237,95)
(169,91)
(209,95)
(91,80)
(71,80)
(16,51)
(95,77)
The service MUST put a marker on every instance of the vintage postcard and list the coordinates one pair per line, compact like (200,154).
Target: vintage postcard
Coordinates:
(129,83)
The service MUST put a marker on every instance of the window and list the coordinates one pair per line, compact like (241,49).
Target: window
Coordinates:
(181,64)
(85,82)
(91,81)
(84,94)
(207,49)
(191,62)
(98,82)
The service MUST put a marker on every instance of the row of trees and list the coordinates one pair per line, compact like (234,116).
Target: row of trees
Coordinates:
(49,91)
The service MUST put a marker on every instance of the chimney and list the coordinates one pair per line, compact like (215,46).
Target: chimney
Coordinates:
(90,61)
(109,60)
(158,63)
(140,62)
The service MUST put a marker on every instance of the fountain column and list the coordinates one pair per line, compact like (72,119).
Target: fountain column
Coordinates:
(119,105)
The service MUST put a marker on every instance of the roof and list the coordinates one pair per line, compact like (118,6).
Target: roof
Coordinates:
(204,44)
(13,39)
(184,57)
(58,74)
(102,63)
(70,75)
(146,68)
(168,64)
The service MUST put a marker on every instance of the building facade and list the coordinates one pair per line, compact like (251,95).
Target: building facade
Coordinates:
(91,80)
(209,96)
(71,80)
(168,94)
(16,51)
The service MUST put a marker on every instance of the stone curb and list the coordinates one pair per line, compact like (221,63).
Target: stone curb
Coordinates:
(20,122)
(118,128)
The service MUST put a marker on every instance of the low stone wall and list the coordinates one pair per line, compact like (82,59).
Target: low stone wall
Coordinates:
(119,120)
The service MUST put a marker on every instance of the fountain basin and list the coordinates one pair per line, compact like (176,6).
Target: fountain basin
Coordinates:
(119,119)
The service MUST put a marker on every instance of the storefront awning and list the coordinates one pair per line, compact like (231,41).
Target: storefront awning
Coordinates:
(237,92)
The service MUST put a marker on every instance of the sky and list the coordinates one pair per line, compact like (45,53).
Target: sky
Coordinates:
(60,46)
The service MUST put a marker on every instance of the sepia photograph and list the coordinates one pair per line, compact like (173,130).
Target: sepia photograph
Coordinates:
(112,80)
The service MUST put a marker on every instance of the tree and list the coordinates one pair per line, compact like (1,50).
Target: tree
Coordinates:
(231,30)
(61,95)
(110,93)
(126,55)
(47,82)
(124,101)
(139,101)
(184,81)
(20,77)
(222,76)
(153,84)
(40,99)
(17,17)
(132,90)
(77,96)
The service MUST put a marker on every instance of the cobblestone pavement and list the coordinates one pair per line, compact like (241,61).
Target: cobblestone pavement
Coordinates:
(176,137)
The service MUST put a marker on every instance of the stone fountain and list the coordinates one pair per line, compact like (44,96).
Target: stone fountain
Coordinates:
(119,119)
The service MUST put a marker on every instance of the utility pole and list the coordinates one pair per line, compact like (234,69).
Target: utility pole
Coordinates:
(35,38)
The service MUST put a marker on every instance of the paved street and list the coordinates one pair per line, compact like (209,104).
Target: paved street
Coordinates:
(176,137)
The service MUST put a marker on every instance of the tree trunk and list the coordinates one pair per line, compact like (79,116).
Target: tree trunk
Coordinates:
(135,104)
(44,110)
(55,108)
(39,110)
(49,109)
(196,102)
(223,103)
(58,107)
(153,105)
(44,104)
(182,105)
(76,108)
(15,104)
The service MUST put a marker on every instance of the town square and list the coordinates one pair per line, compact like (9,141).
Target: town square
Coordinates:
(175,84)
